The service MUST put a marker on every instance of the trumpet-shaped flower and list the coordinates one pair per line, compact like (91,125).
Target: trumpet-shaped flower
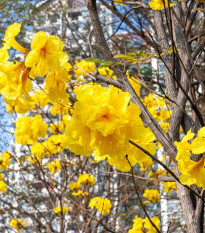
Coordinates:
(101,204)
(9,38)
(192,172)
(45,55)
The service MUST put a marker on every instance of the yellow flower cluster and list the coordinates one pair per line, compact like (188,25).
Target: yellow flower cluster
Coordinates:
(4,164)
(138,226)
(46,57)
(80,193)
(84,68)
(191,172)
(105,120)
(169,187)
(64,210)
(18,223)
(158,109)
(107,72)
(101,204)
(82,179)
(60,107)
(53,145)
(55,84)
(4,160)
(152,195)
(3,187)
(54,166)
(28,130)
(40,97)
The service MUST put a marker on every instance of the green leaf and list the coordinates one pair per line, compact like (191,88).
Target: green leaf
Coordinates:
(92,59)
(106,64)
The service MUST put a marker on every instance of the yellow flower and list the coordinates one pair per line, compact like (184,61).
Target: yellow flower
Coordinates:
(60,107)
(3,186)
(5,160)
(83,68)
(38,150)
(80,193)
(55,84)
(74,186)
(18,223)
(54,166)
(107,72)
(15,85)
(152,195)
(9,38)
(46,54)
(40,97)
(78,137)
(146,164)
(28,130)
(148,225)
(159,4)
(169,186)
(137,226)
(101,204)
(192,172)
(104,120)
(86,179)
(64,210)
(160,172)
(55,144)
(1,176)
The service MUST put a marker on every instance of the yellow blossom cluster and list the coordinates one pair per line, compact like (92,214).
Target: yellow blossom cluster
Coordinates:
(169,187)
(4,164)
(158,109)
(45,58)
(101,204)
(64,210)
(140,225)
(54,166)
(80,193)
(61,107)
(28,130)
(82,179)
(152,195)
(53,145)
(105,120)
(84,68)
(18,223)
(192,172)
(40,97)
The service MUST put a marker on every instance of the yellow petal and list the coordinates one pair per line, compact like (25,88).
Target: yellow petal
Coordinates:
(198,145)
(32,58)
(39,41)
(201,132)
